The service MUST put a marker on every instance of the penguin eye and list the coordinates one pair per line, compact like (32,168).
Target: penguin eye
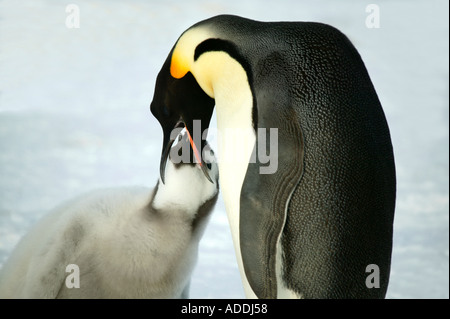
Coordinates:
(165,111)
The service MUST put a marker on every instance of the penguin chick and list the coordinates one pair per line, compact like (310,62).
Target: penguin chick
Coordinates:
(117,243)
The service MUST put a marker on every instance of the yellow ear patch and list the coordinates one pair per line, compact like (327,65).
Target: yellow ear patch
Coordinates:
(178,66)
(183,53)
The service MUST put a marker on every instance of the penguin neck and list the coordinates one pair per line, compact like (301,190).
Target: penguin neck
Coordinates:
(174,197)
(225,80)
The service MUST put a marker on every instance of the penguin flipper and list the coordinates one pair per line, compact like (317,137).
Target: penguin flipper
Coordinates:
(265,195)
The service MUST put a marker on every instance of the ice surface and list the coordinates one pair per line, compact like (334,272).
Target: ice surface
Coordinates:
(74,115)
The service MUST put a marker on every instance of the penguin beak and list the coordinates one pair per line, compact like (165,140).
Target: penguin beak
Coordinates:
(169,139)
(167,144)
(197,150)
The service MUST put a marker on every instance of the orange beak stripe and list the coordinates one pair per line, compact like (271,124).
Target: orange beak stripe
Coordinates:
(194,148)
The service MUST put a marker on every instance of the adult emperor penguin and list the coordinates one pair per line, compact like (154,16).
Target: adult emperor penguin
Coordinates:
(319,224)
(122,243)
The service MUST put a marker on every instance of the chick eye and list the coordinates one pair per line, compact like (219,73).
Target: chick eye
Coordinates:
(208,165)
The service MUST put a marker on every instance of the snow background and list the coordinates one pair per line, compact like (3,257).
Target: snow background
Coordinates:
(74,115)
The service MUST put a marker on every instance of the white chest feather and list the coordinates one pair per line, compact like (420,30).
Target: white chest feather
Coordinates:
(229,86)
(224,79)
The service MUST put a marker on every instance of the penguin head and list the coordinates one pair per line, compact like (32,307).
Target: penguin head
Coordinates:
(186,187)
(201,69)
(177,103)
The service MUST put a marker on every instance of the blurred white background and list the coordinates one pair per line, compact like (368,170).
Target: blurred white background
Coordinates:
(74,115)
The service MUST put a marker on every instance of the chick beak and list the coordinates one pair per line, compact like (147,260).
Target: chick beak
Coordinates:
(168,140)
(169,137)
